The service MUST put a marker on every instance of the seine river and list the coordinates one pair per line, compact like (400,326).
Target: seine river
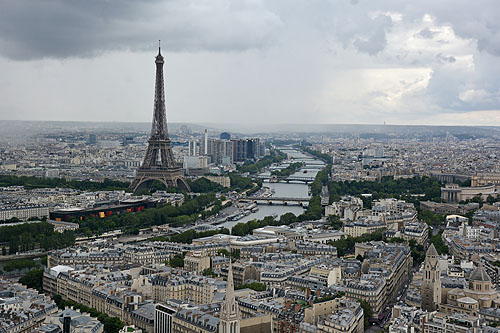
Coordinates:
(287,190)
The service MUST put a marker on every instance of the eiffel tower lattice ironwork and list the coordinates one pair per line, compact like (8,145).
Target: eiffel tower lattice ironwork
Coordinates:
(159,163)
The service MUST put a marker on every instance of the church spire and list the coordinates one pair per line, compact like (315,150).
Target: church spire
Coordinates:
(431,281)
(230,313)
(230,285)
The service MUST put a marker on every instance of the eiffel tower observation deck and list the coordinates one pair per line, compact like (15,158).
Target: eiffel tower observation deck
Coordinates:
(159,163)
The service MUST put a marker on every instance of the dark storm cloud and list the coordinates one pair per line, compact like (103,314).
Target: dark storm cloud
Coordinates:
(75,28)
(345,60)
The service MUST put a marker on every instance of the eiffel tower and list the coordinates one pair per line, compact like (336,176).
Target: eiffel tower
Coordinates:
(159,163)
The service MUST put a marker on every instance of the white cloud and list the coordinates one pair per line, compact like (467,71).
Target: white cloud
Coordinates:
(473,95)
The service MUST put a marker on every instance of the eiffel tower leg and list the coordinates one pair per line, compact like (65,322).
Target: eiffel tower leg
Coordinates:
(182,184)
(136,183)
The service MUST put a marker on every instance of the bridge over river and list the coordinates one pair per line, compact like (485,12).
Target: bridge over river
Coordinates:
(276,200)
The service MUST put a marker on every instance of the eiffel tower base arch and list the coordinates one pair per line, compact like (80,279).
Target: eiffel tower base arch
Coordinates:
(144,180)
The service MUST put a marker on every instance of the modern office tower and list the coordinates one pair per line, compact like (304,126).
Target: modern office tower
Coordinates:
(159,163)
(245,149)
(205,143)
(239,150)
(218,149)
(192,148)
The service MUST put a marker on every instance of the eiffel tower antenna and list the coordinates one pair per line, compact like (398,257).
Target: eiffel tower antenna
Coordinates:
(159,162)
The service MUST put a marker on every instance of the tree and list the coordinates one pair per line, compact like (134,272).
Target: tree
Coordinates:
(33,279)
(203,185)
(176,261)
(19,264)
(439,244)
(235,254)
(335,222)
(431,218)
(367,310)
(4,251)
(223,252)
(13,246)
(490,200)
(240,229)
(59,301)
(359,257)
(288,218)
(257,286)
(112,324)
(208,272)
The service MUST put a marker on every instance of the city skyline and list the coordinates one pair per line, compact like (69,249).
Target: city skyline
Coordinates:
(279,63)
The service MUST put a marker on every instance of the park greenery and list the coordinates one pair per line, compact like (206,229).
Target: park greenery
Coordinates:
(257,186)
(417,252)
(175,216)
(255,167)
(176,261)
(329,297)
(188,235)
(388,187)
(204,185)
(346,245)
(30,236)
(240,183)
(367,311)
(19,264)
(431,218)
(215,208)
(33,279)
(234,254)
(335,222)
(314,210)
(209,272)
(322,156)
(83,185)
(111,324)
(257,286)
(478,199)
(242,229)
(291,169)
(438,242)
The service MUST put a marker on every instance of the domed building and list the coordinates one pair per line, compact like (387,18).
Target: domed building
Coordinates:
(481,289)
(479,294)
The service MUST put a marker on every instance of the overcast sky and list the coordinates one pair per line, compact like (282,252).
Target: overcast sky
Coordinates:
(278,61)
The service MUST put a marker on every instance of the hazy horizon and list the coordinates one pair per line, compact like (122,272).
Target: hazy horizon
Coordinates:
(19,126)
